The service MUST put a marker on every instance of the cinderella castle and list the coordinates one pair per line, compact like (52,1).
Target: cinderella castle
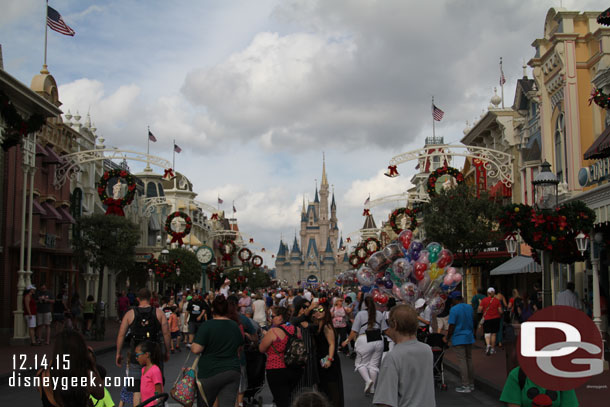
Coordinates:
(319,253)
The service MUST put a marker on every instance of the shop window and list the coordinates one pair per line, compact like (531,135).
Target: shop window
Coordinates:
(560,150)
(151,190)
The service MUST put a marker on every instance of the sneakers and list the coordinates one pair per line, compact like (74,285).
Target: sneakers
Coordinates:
(368,386)
(487,350)
(492,351)
(463,389)
(188,345)
(471,387)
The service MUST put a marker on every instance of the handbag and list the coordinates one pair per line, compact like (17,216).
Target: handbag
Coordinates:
(183,390)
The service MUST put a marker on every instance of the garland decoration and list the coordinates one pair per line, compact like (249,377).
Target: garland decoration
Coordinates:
(374,240)
(364,251)
(115,206)
(600,98)
(257,261)
(604,18)
(411,213)
(551,230)
(439,172)
(16,127)
(244,254)
(354,261)
(162,269)
(227,247)
(177,236)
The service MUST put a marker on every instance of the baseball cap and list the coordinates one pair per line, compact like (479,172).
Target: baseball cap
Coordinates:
(455,294)
(420,303)
(278,295)
(189,298)
(491,290)
(30,287)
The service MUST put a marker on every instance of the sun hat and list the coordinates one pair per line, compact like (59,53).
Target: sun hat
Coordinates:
(420,303)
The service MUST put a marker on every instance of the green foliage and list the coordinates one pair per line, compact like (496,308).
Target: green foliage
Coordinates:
(460,221)
(552,230)
(190,268)
(107,241)
(250,278)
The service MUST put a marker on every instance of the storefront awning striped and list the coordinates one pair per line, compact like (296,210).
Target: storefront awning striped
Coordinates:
(600,147)
(516,265)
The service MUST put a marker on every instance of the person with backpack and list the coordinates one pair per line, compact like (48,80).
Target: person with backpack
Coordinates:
(519,390)
(144,323)
(281,377)
(491,308)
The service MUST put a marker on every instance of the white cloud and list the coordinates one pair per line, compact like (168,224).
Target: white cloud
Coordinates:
(378,187)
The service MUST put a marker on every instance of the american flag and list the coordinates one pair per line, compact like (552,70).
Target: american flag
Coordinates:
(437,113)
(367,200)
(220,200)
(502,78)
(177,149)
(56,23)
(234,210)
(151,137)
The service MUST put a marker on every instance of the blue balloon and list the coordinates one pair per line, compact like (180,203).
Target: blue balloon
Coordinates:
(365,289)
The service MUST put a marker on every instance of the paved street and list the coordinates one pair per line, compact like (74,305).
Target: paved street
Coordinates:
(354,396)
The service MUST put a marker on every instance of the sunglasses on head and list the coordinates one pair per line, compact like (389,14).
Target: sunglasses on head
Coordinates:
(320,309)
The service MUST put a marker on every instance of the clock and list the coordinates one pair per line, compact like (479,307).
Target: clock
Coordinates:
(205,255)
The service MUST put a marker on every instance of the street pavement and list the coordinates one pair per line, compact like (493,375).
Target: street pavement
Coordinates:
(353,386)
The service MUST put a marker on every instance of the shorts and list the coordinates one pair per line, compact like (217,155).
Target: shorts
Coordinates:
(59,317)
(175,334)
(491,326)
(442,323)
(243,380)
(43,319)
(30,321)
(126,396)
(194,326)
(88,316)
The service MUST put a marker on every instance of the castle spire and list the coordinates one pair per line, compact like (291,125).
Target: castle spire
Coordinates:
(324,180)
(304,210)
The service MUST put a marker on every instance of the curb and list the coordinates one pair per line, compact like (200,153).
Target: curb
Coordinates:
(480,384)
(4,378)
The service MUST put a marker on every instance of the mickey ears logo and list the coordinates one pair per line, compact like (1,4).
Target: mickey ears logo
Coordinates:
(560,348)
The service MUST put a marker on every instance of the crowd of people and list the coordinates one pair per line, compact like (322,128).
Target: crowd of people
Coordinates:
(289,338)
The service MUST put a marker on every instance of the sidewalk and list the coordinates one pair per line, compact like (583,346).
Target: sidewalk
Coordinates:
(490,374)
(11,355)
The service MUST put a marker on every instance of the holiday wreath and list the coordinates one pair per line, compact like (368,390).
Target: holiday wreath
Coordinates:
(16,127)
(162,269)
(439,172)
(374,240)
(115,206)
(410,213)
(551,230)
(604,17)
(354,260)
(600,98)
(228,248)
(244,254)
(257,261)
(177,236)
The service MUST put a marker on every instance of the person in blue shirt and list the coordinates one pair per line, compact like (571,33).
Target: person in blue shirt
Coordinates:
(461,336)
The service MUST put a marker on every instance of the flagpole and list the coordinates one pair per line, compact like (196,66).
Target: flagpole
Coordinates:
(148,149)
(174,160)
(46,16)
(433,125)
(502,82)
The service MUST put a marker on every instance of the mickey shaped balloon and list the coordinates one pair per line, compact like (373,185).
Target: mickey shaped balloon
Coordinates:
(405,238)
(435,249)
(445,258)
(392,251)
(419,270)
(377,261)
(365,276)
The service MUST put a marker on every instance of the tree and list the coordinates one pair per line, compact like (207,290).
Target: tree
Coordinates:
(461,222)
(190,268)
(106,241)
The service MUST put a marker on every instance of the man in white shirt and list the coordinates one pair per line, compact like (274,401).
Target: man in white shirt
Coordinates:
(568,297)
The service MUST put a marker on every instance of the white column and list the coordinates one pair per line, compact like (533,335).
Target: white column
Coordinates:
(597,315)
(19,329)
(28,270)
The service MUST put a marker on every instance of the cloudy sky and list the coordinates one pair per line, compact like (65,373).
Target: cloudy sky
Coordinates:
(254,91)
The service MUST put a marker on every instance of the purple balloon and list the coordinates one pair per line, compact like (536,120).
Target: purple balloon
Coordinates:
(388,284)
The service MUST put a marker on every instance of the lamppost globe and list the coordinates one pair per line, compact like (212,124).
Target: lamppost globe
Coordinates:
(150,273)
(164,256)
(178,271)
(545,187)
(582,242)
(511,244)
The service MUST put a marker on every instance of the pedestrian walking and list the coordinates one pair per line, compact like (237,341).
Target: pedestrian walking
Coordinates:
(76,308)
(491,309)
(461,336)
(44,301)
(151,383)
(302,320)
(29,311)
(260,310)
(406,377)
(331,379)
(339,318)
(515,306)
(367,328)
(196,316)
(88,311)
(476,299)
(568,297)
(281,378)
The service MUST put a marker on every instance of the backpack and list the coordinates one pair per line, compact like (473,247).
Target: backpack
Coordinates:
(145,327)
(295,354)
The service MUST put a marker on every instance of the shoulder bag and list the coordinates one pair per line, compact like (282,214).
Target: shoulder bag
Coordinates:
(183,390)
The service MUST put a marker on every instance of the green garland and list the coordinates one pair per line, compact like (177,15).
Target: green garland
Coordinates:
(372,239)
(354,261)
(177,236)
(16,127)
(600,98)
(553,231)
(244,254)
(102,185)
(439,172)
(257,261)
(411,213)
(162,269)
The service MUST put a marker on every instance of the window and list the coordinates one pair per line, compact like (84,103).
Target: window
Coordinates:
(151,190)
(560,150)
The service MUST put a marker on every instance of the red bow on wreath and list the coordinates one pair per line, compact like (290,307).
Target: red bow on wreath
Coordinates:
(169,173)
(114,207)
(214,216)
(177,237)
(366,212)
(392,171)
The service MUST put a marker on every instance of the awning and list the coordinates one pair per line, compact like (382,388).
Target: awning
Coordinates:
(600,147)
(37,209)
(52,157)
(51,212)
(516,265)
(40,150)
(66,217)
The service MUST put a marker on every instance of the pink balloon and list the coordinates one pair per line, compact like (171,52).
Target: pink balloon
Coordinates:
(448,279)
(424,257)
(451,270)
(457,277)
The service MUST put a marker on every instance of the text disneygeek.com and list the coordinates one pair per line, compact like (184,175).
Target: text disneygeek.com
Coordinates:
(64,383)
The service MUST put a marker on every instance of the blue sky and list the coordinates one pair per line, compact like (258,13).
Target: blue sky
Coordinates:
(255,91)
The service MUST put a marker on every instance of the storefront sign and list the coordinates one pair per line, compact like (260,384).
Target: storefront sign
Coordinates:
(143,257)
(594,173)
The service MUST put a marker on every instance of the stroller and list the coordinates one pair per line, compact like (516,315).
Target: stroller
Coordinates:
(255,368)
(438,346)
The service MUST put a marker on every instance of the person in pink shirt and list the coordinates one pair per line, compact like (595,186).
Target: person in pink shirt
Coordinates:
(151,384)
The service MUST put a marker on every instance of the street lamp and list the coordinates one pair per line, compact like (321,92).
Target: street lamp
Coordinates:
(545,196)
(178,271)
(164,256)
(511,244)
(582,242)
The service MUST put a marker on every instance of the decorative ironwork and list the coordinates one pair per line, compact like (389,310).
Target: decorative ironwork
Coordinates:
(71,164)
(497,163)
(404,197)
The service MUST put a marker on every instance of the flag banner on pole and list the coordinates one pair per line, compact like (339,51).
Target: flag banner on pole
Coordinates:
(502,78)
(56,23)
(367,200)
(151,137)
(234,210)
(220,200)
(437,113)
(177,149)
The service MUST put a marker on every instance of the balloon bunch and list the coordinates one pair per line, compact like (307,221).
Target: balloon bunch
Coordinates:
(407,270)
(347,278)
